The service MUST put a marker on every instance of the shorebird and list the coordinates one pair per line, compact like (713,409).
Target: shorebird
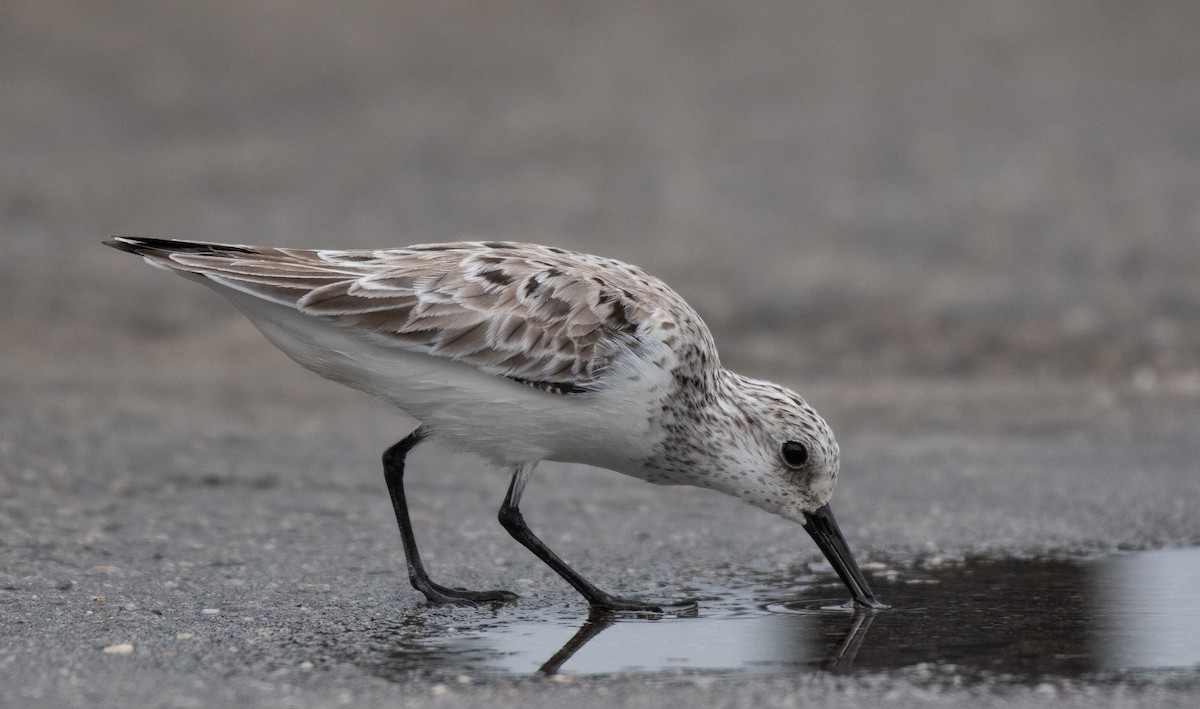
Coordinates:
(520,353)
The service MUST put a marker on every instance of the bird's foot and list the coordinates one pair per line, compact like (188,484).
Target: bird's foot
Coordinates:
(443,595)
(643,609)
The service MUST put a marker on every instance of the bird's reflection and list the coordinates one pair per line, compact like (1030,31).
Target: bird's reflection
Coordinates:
(597,622)
(843,658)
(730,635)
(1024,617)
(840,660)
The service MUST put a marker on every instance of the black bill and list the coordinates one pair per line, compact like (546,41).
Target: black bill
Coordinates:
(823,528)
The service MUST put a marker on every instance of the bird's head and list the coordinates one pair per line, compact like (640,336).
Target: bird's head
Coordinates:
(764,444)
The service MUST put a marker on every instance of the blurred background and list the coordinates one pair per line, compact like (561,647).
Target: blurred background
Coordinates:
(842,189)
(968,233)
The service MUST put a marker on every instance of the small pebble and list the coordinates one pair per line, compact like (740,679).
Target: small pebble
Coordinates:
(119,649)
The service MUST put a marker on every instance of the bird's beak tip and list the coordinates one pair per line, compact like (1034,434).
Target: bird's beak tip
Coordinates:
(823,528)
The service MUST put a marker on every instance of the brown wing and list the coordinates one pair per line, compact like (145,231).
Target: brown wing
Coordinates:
(543,316)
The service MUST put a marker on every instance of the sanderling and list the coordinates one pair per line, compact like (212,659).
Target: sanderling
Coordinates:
(521,353)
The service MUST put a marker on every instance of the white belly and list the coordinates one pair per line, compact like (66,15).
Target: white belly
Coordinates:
(503,421)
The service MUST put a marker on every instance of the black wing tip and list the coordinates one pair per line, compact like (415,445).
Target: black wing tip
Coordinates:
(122,243)
(141,245)
(553,387)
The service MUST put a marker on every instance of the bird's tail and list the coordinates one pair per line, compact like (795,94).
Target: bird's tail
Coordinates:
(281,276)
(146,246)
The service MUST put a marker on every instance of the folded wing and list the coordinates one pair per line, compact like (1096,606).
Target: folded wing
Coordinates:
(535,314)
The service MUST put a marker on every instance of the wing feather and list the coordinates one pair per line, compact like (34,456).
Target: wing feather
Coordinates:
(546,317)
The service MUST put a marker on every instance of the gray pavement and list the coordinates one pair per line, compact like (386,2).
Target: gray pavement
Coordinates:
(970,236)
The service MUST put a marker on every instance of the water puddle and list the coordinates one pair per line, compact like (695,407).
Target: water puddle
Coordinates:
(1020,619)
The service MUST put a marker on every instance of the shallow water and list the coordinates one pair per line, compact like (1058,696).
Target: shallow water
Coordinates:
(1021,619)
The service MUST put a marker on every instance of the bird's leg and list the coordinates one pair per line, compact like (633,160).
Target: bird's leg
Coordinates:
(511,519)
(393,473)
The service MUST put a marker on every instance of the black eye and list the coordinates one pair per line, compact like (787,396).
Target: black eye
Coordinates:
(795,454)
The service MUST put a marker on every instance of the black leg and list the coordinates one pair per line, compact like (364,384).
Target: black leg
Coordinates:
(511,519)
(393,473)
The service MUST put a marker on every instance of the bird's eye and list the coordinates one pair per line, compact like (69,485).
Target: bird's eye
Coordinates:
(795,454)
